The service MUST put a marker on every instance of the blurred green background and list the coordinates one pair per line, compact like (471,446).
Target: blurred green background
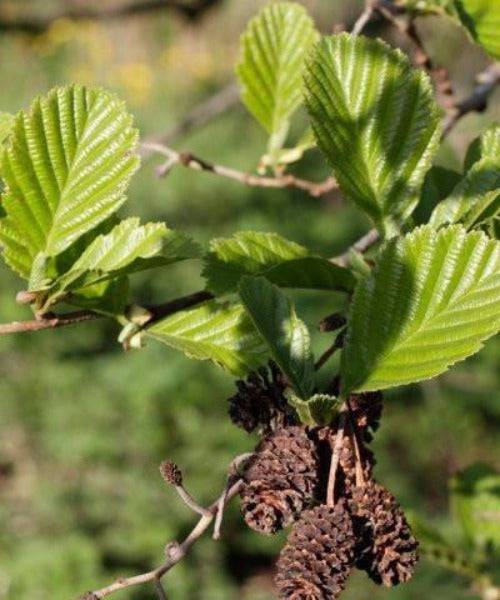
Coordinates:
(84,426)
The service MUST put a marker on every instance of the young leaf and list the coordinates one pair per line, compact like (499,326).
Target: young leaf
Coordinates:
(319,409)
(270,68)
(222,333)
(482,19)
(66,167)
(283,262)
(476,503)
(487,145)
(6,123)
(431,301)
(127,248)
(475,201)
(376,120)
(438,184)
(286,335)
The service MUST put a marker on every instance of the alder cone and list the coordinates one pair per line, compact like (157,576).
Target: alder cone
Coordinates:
(386,549)
(259,404)
(367,412)
(281,479)
(318,556)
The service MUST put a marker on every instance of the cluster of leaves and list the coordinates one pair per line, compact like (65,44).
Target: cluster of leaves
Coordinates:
(431,299)
(475,505)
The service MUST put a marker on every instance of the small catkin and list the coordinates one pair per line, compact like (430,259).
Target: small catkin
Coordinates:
(259,404)
(171,473)
(280,478)
(318,556)
(386,548)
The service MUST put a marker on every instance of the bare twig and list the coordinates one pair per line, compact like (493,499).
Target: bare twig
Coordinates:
(190,501)
(55,321)
(362,245)
(363,18)
(176,554)
(107,12)
(487,80)
(208,110)
(190,161)
(336,449)
(159,590)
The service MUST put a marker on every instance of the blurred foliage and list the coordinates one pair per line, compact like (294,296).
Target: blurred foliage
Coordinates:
(83,426)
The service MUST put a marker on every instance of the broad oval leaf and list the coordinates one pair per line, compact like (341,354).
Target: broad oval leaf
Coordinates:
(66,167)
(268,254)
(286,335)
(475,201)
(376,120)
(129,247)
(482,19)
(431,301)
(222,333)
(273,48)
(6,124)
(487,145)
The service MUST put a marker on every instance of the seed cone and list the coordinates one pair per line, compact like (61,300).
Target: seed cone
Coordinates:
(386,548)
(281,479)
(259,404)
(366,412)
(318,556)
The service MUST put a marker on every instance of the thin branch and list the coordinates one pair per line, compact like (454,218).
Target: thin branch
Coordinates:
(159,590)
(364,243)
(176,554)
(223,100)
(190,161)
(55,321)
(487,81)
(336,449)
(188,499)
(38,25)
(363,18)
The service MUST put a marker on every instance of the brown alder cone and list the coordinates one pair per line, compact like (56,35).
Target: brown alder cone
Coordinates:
(366,411)
(318,556)
(259,404)
(281,479)
(386,548)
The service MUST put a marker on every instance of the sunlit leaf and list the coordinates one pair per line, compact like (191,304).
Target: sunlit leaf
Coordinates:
(281,261)
(431,301)
(482,20)
(6,124)
(222,333)
(286,335)
(66,167)
(487,145)
(376,120)
(273,49)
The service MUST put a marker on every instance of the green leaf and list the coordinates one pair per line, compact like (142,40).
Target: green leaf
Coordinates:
(286,335)
(6,124)
(283,262)
(482,19)
(223,333)
(67,166)
(107,297)
(273,48)
(376,120)
(431,301)
(438,184)
(475,201)
(287,156)
(319,409)
(128,248)
(487,145)
(476,504)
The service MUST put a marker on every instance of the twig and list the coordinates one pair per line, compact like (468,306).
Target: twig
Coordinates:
(328,353)
(487,80)
(364,243)
(337,446)
(188,499)
(55,321)
(159,590)
(39,25)
(363,18)
(176,555)
(190,161)
(211,108)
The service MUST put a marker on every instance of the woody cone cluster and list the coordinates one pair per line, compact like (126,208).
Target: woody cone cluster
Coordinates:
(286,482)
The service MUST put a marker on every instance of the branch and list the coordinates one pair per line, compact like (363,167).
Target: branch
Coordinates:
(363,18)
(38,25)
(176,551)
(487,80)
(362,245)
(55,321)
(190,161)
(223,100)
